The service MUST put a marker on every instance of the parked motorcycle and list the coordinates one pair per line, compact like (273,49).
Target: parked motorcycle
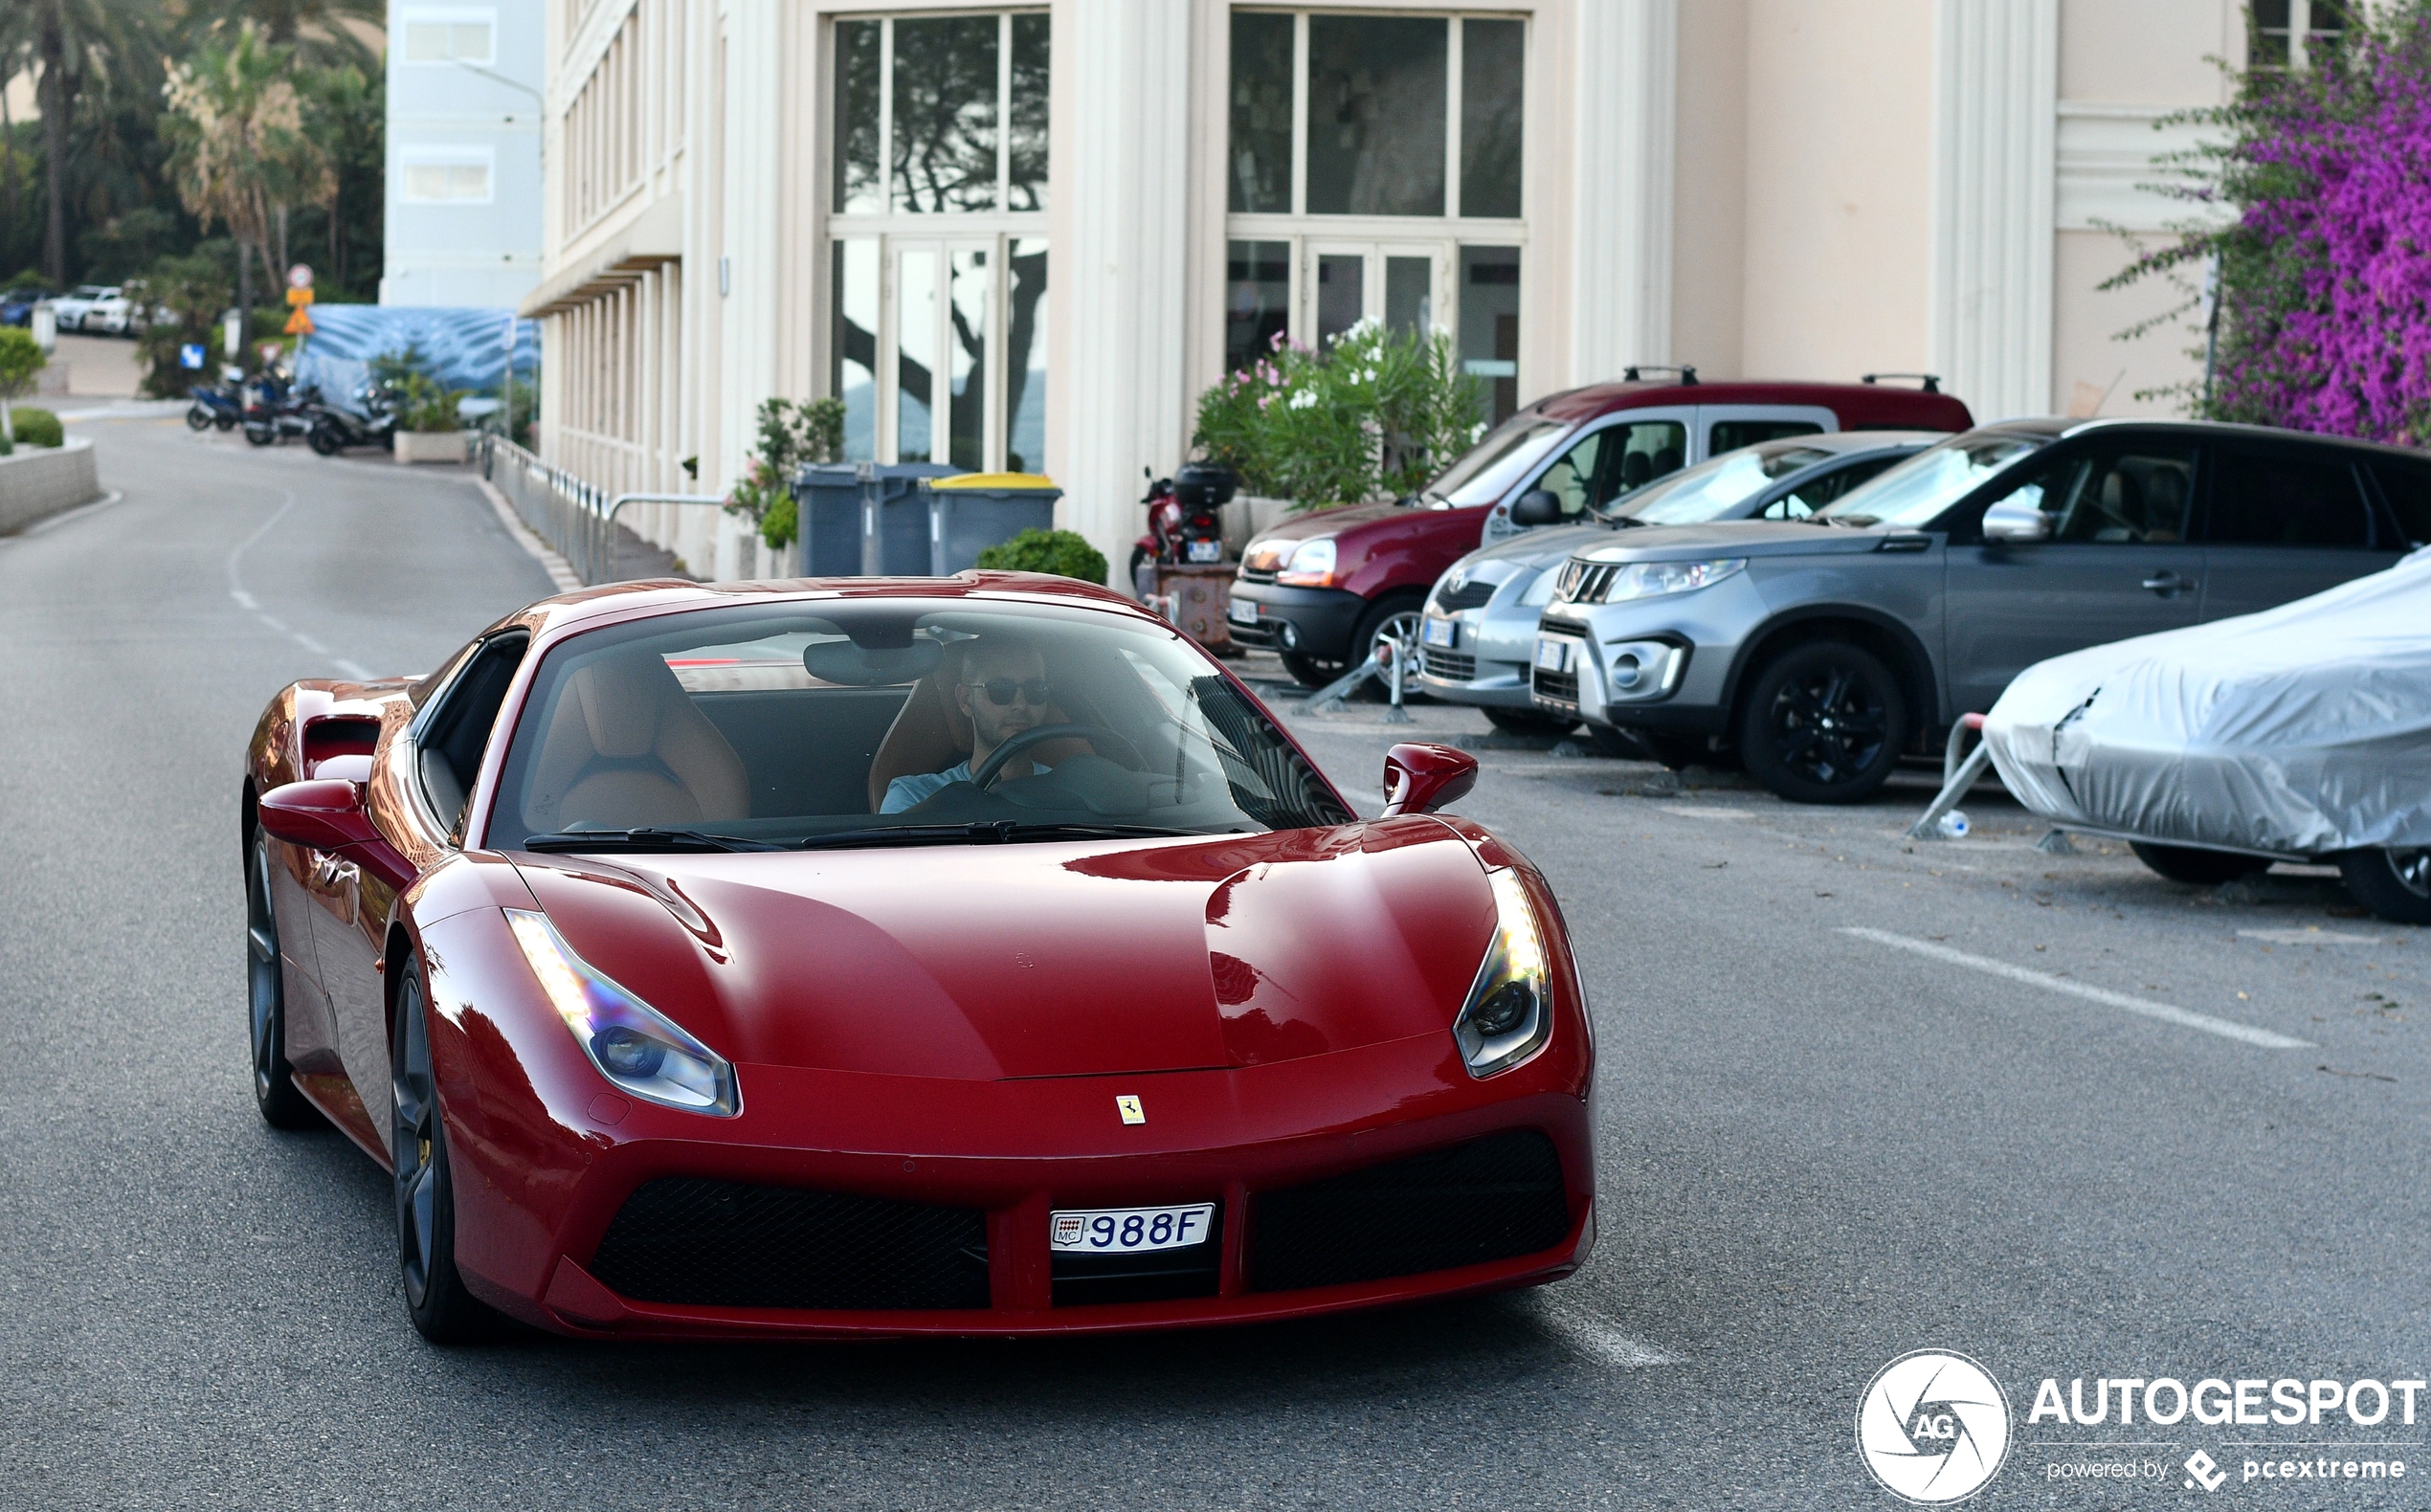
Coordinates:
(274,411)
(221,404)
(1184,525)
(372,422)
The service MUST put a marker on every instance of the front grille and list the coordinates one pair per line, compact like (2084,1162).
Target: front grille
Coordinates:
(1453,666)
(1249,574)
(1159,1276)
(1561,687)
(1471,594)
(1496,1198)
(1585,582)
(689,1241)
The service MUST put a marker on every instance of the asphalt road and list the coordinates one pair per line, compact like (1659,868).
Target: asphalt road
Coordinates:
(1820,1149)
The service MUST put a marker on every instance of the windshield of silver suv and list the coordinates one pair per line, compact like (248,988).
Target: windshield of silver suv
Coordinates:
(1711,489)
(1916,490)
(1488,468)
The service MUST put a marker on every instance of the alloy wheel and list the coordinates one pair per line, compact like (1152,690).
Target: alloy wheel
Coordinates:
(413,1135)
(261,970)
(1829,725)
(2413,871)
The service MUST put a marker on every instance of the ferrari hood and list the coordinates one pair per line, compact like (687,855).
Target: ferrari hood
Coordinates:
(1041,960)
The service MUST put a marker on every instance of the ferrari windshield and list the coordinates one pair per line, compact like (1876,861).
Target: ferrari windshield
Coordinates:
(1487,470)
(1915,492)
(879,720)
(1712,489)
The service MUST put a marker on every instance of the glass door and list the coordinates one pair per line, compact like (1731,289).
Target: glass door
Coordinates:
(1398,285)
(941,373)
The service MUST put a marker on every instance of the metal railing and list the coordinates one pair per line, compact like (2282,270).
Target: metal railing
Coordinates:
(577,519)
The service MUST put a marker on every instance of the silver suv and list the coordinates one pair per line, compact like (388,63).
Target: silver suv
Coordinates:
(1479,628)
(1821,650)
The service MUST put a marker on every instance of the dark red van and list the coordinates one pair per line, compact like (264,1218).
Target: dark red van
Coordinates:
(1320,587)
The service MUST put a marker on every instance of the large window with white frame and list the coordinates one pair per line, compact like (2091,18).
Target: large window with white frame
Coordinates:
(2292,33)
(1373,171)
(937,237)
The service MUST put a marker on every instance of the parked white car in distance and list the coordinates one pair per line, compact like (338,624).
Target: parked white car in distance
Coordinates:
(70,309)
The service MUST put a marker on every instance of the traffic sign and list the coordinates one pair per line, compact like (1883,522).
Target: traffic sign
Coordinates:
(300,276)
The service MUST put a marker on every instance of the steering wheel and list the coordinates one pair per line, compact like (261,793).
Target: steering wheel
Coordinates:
(997,759)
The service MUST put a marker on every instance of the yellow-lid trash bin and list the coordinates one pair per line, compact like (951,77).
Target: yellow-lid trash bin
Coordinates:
(970,512)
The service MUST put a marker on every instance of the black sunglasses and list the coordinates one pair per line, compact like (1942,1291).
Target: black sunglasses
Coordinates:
(1001,690)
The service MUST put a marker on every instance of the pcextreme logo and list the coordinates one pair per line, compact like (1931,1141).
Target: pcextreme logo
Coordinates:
(1933,1427)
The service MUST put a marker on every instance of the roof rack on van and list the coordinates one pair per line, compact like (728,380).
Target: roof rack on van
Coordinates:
(1687,372)
(1931,383)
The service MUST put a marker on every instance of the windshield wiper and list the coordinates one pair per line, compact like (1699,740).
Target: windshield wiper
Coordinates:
(997,830)
(649,837)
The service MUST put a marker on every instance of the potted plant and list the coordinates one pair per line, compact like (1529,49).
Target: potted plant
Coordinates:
(428,428)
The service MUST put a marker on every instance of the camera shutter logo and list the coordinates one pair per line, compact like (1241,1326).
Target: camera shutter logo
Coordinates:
(1933,1427)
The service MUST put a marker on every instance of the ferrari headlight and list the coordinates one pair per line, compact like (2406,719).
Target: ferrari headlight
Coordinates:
(638,1049)
(1654,578)
(1311,564)
(1508,1013)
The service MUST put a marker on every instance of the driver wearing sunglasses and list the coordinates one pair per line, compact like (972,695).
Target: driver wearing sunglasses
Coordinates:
(1003,691)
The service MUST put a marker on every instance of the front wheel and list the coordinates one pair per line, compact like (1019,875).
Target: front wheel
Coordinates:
(2394,884)
(261,434)
(443,1310)
(1823,724)
(282,1106)
(2193,866)
(325,439)
(198,418)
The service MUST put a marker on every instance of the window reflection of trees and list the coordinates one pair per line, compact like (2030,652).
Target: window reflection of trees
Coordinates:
(1375,116)
(945,144)
(1026,150)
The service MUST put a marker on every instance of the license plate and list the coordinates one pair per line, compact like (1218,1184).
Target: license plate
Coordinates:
(1555,655)
(1132,1231)
(1241,612)
(1444,632)
(1205,551)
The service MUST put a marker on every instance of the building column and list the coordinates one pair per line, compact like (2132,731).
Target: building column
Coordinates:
(1118,252)
(1996,102)
(1625,69)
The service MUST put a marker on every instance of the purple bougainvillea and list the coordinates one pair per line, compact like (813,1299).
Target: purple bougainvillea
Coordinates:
(2325,317)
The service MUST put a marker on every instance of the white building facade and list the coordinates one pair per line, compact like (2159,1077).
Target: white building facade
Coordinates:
(1027,236)
(465,87)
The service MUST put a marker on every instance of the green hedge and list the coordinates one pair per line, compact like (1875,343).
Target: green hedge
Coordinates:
(1061,553)
(37,427)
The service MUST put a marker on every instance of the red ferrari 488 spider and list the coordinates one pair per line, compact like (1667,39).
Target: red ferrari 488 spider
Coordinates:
(963,956)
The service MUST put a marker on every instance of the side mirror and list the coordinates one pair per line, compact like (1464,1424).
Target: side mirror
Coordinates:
(2010,520)
(1421,777)
(323,814)
(1538,506)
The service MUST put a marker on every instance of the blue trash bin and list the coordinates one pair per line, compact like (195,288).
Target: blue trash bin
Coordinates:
(865,519)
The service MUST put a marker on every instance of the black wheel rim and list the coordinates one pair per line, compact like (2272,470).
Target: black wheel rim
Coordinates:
(262,969)
(415,1143)
(1828,726)
(2412,870)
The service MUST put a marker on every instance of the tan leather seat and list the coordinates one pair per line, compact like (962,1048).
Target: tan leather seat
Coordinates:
(625,747)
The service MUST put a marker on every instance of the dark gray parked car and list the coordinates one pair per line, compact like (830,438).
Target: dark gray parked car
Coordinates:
(1822,649)
(1479,626)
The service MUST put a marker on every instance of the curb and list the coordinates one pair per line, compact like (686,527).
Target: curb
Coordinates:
(559,571)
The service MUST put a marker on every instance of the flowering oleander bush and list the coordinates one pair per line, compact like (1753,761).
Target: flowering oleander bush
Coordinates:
(2325,272)
(1374,415)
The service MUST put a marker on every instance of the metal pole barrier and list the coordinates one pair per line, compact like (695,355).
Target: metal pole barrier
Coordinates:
(1957,776)
(1395,713)
(617,504)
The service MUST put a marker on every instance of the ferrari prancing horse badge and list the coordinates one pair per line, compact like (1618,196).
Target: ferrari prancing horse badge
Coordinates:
(1130,1107)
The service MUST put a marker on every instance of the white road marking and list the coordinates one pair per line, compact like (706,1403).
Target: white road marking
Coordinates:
(253,606)
(1695,810)
(2226,1029)
(1600,1341)
(2314,937)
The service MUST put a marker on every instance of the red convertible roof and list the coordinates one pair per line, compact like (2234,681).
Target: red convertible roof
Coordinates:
(612,601)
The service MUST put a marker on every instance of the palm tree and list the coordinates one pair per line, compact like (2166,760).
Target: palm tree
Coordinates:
(242,153)
(319,31)
(76,41)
